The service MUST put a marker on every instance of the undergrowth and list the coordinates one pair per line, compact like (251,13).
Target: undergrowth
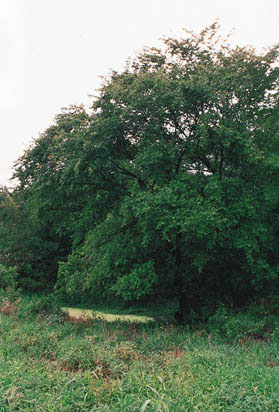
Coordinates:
(50,362)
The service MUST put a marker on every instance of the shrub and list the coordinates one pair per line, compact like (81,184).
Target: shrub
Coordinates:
(44,305)
(236,326)
(8,277)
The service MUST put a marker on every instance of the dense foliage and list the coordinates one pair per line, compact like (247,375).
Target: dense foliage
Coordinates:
(168,187)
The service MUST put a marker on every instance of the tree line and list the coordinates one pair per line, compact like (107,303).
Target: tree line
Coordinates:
(166,188)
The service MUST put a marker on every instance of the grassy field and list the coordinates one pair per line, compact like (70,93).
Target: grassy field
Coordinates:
(51,361)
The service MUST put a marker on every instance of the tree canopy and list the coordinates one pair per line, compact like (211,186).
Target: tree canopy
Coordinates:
(169,185)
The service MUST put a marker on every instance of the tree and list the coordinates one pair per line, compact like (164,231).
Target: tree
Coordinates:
(174,172)
(22,244)
(64,183)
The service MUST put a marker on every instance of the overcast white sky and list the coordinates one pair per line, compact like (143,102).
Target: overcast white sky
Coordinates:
(53,52)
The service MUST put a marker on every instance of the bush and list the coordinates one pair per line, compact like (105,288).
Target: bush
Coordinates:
(44,305)
(236,326)
(8,277)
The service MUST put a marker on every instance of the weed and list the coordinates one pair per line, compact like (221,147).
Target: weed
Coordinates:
(49,364)
(7,308)
(126,351)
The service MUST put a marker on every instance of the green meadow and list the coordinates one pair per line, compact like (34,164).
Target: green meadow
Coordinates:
(52,361)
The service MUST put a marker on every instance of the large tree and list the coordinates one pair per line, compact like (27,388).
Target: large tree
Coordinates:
(169,186)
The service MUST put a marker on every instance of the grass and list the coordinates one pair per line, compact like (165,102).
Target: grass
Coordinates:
(152,312)
(53,362)
(109,317)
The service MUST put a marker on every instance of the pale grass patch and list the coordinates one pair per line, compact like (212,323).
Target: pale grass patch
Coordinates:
(92,314)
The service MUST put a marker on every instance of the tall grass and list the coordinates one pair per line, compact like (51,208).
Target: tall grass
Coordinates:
(50,362)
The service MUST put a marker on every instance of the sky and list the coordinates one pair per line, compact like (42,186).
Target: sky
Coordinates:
(53,53)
